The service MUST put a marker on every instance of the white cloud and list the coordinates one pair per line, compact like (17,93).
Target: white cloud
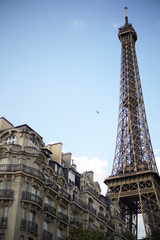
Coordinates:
(78,24)
(98,166)
(115,25)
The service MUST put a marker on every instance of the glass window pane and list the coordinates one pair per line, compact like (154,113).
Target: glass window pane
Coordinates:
(5,211)
(8,184)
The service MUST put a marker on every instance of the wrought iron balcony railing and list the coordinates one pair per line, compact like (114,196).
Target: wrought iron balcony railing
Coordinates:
(29,226)
(51,210)
(111,225)
(3,222)
(32,227)
(63,193)
(51,184)
(23,224)
(21,167)
(63,217)
(78,201)
(92,191)
(101,216)
(47,235)
(32,198)
(6,193)
(75,222)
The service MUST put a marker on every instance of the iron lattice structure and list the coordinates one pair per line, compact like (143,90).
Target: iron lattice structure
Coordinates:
(134,181)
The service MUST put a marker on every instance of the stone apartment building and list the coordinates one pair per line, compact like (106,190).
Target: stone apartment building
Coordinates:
(42,195)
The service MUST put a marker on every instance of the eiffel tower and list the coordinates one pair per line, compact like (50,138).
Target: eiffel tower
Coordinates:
(134,181)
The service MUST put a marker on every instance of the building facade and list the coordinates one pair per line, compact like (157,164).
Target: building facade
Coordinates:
(41,193)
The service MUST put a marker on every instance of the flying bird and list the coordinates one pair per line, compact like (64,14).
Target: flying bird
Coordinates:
(97,112)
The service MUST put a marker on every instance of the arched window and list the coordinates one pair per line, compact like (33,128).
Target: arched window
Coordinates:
(101,210)
(90,202)
(11,140)
(32,143)
(34,190)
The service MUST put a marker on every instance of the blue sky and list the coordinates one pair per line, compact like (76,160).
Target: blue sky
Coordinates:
(60,63)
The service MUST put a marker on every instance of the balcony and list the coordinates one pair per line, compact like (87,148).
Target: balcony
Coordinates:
(3,222)
(32,198)
(51,184)
(111,225)
(46,235)
(75,222)
(65,194)
(100,197)
(6,194)
(79,201)
(48,208)
(21,167)
(32,227)
(90,190)
(23,224)
(91,209)
(63,217)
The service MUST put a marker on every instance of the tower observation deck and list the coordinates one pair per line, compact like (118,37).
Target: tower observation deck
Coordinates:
(134,181)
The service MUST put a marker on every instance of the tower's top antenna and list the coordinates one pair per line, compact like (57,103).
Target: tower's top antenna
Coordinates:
(126,17)
(126,8)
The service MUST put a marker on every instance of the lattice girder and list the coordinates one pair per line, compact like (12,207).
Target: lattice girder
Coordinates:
(135,181)
(137,194)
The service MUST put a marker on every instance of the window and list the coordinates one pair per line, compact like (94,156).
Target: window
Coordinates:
(55,167)
(32,216)
(61,208)
(5,211)
(90,202)
(8,184)
(46,225)
(11,140)
(101,210)
(34,190)
(1,188)
(59,232)
(1,185)
(24,211)
(32,143)
(14,160)
(27,187)
(48,200)
(71,177)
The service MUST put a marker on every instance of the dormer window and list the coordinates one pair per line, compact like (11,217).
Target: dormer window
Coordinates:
(11,140)
(32,143)
(71,177)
